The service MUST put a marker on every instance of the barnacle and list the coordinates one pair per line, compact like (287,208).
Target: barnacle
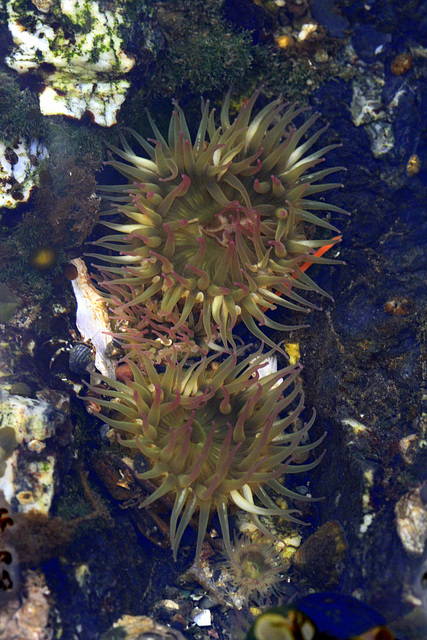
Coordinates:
(216,227)
(213,433)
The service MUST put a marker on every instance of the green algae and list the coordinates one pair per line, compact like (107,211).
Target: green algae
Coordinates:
(19,114)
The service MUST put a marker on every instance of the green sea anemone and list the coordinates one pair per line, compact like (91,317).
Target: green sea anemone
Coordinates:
(217,227)
(213,433)
(255,568)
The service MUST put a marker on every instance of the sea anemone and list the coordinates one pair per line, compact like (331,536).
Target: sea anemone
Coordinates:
(213,433)
(218,227)
(255,568)
(143,326)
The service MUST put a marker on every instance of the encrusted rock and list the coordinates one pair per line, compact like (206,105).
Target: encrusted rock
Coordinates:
(143,627)
(18,168)
(411,519)
(28,475)
(28,618)
(79,55)
(44,6)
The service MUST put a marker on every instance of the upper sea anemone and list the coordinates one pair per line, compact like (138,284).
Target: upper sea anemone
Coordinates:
(215,226)
(214,433)
(143,326)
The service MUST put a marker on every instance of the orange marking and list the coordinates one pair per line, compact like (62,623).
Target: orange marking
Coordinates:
(317,254)
(320,252)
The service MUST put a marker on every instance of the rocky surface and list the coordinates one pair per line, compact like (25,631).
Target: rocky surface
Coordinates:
(18,171)
(76,46)
(367,374)
(364,355)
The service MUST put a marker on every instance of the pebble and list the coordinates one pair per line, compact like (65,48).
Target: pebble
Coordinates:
(203,618)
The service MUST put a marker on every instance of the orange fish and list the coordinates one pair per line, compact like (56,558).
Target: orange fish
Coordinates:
(321,251)
(317,254)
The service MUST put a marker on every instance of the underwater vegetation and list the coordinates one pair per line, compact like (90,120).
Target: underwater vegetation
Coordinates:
(217,227)
(208,58)
(9,302)
(208,232)
(64,210)
(203,51)
(20,114)
(66,199)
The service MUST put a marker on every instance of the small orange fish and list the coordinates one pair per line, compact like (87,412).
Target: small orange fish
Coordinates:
(317,254)
(321,251)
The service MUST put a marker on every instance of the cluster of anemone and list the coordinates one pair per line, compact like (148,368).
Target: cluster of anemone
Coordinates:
(208,232)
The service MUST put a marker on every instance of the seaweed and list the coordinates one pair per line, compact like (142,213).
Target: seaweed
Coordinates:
(20,115)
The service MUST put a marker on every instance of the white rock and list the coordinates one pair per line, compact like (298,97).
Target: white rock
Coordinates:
(306,30)
(87,64)
(203,618)
(102,99)
(29,418)
(34,422)
(18,178)
(366,104)
(367,109)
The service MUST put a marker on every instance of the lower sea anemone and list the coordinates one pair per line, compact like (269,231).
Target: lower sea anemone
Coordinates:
(213,433)
(217,226)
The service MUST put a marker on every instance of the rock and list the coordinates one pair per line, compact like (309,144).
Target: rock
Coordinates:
(143,627)
(18,170)
(77,49)
(28,619)
(27,481)
(411,519)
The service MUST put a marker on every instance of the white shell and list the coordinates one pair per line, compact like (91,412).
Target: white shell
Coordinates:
(203,618)
(92,318)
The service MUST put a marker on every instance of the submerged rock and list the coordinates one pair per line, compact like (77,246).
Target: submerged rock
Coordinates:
(27,478)
(28,618)
(136,627)
(77,49)
(9,302)
(18,170)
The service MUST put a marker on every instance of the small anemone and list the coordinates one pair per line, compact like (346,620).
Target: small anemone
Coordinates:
(255,568)
(214,433)
(216,225)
